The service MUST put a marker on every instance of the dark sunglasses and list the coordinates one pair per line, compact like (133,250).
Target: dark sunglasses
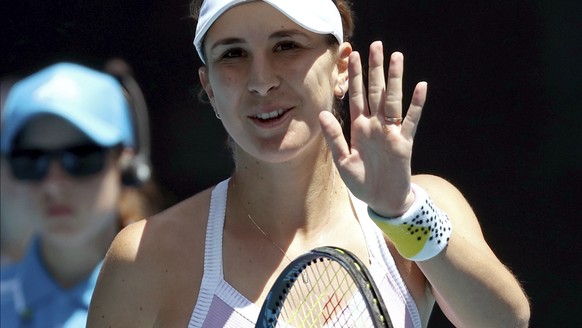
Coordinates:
(78,161)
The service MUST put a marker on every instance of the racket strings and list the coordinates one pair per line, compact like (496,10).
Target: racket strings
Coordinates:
(327,292)
(329,298)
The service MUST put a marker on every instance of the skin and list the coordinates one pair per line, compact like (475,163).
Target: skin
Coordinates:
(14,233)
(76,217)
(15,230)
(292,176)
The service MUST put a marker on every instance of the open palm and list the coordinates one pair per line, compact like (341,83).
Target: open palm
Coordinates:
(376,164)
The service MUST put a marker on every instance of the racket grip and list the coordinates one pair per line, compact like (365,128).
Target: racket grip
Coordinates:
(419,234)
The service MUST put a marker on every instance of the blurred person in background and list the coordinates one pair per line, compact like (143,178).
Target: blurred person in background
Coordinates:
(14,234)
(70,142)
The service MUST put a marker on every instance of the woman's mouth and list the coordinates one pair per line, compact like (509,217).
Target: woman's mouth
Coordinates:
(270,115)
(59,211)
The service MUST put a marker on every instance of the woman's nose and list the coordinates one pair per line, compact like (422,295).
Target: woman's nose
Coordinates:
(56,178)
(262,76)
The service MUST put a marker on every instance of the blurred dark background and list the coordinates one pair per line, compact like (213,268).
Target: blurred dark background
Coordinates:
(502,121)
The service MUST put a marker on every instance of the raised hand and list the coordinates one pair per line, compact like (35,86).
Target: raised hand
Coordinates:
(376,167)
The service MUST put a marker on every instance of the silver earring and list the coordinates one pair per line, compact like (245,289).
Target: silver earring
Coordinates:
(216,114)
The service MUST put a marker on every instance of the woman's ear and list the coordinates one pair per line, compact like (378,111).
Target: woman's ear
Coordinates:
(203,76)
(342,67)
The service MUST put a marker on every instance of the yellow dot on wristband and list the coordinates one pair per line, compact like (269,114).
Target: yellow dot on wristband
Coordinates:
(419,234)
(409,238)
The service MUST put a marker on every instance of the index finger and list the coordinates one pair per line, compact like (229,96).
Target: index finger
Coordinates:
(358,102)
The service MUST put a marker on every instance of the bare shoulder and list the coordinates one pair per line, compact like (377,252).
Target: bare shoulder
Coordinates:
(152,271)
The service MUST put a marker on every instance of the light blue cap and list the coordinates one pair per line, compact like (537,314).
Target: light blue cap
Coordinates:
(90,100)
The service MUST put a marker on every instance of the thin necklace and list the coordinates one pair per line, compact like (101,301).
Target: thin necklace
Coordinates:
(304,276)
(269,238)
(257,225)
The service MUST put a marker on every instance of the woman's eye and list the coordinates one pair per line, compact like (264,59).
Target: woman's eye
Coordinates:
(286,46)
(232,53)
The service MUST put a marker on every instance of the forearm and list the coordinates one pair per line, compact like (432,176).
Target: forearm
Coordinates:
(474,289)
(470,284)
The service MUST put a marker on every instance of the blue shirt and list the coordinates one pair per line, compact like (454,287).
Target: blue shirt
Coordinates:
(31,298)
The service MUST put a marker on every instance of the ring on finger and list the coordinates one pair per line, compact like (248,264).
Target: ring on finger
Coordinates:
(393,120)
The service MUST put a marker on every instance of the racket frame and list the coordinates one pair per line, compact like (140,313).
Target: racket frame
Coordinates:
(271,307)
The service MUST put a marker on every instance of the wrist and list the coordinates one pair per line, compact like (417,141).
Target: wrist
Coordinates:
(395,213)
(419,234)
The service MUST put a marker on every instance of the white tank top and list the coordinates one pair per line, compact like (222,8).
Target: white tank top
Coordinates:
(220,305)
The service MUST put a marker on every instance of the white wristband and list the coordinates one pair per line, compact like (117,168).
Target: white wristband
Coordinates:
(419,234)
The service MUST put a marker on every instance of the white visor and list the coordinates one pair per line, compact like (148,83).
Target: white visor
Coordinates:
(318,16)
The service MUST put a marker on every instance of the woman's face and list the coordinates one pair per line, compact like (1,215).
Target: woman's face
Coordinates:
(268,79)
(68,209)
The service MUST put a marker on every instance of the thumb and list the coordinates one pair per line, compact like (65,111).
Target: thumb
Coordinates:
(333,134)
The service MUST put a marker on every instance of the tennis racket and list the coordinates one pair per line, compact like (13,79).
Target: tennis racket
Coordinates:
(326,287)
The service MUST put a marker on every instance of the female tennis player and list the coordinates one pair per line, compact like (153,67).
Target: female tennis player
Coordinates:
(275,73)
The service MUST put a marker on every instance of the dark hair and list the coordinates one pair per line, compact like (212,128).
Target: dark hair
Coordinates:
(137,203)
(139,198)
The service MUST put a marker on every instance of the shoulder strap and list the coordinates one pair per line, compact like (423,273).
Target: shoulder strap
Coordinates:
(213,271)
